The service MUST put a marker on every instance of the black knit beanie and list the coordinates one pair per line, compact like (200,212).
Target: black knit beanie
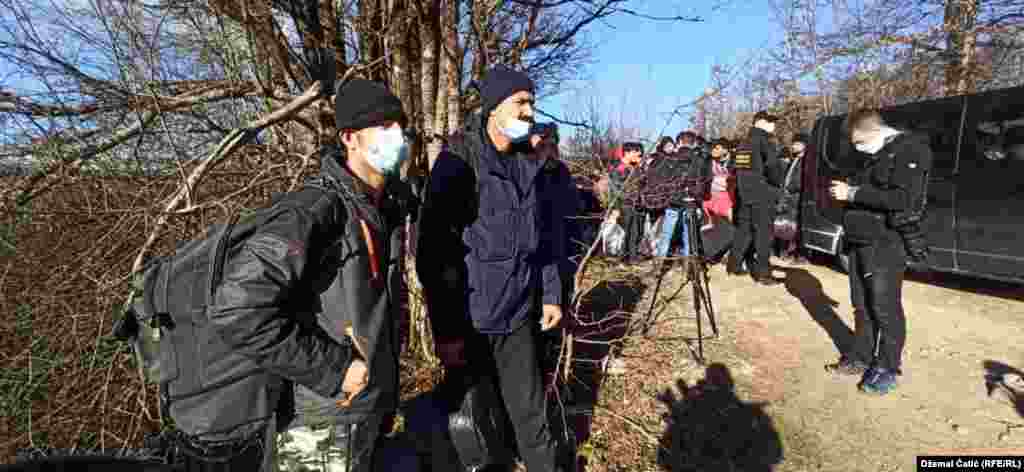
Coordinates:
(500,83)
(361,103)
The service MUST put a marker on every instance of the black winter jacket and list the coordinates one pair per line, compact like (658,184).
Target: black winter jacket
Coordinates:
(485,255)
(755,164)
(287,296)
(891,183)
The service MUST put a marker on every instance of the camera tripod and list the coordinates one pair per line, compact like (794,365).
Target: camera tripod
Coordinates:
(696,275)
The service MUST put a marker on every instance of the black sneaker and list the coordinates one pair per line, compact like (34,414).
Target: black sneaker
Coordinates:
(878,381)
(731,271)
(767,280)
(847,367)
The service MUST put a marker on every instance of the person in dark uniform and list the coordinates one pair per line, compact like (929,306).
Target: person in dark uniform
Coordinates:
(757,193)
(889,190)
(789,173)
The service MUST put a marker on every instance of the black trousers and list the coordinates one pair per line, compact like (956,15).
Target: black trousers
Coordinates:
(876,290)
(753,229)
(514,359)
(257,457)
(633,223)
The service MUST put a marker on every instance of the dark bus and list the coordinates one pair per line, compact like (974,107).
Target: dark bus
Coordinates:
(975,210)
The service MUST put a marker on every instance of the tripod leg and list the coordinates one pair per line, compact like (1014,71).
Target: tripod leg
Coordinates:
(701,276)
(697,303)
(709,303)
(648,321)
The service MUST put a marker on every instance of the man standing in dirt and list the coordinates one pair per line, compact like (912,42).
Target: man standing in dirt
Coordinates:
(887,192)
(491,279)
(757,194)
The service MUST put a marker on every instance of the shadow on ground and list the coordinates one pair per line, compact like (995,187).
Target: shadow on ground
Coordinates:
(966,283)
(604,316)
(708,428)
(808,289)
(1009,381)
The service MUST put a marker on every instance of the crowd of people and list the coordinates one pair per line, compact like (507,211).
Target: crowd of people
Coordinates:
(289,326)
(742,194)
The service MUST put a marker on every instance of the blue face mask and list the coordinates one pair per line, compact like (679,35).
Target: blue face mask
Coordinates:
(516,130)
(388,152)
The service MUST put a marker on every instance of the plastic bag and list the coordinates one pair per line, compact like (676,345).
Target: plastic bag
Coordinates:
(480,428)
(613,237)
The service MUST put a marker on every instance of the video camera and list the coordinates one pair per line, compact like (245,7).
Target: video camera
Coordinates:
(545,130)
(694,188)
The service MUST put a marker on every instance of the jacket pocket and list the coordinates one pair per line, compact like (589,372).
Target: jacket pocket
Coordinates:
(493,283)
(168,356)
(182,355)
(863,227)
(493,237)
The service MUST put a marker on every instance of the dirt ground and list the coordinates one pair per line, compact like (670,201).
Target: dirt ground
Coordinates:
(763,401)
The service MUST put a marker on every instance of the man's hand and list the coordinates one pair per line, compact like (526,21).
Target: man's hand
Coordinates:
(544,147)
(551,317)
(356,378)
(840,190)
(614,216)
(451,353)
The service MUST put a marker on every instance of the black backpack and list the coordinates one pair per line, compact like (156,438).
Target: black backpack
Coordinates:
(165,314)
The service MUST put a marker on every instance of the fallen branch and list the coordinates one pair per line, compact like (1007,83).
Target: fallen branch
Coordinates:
(229,144)
(651,438)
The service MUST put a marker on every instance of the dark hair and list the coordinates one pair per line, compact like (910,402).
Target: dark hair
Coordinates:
(632,146)
(764,115)
(662,142)
(687,134)
(721,142)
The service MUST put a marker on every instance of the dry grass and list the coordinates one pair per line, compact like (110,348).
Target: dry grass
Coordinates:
(65,384)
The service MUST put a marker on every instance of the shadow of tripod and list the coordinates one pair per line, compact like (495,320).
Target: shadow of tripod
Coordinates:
(696,274)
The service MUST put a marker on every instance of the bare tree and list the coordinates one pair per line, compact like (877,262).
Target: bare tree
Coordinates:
(222,102)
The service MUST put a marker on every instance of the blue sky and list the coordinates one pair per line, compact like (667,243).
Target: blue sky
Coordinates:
(653,66)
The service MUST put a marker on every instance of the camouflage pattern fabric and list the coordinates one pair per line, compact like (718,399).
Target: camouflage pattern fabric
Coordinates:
(305,449)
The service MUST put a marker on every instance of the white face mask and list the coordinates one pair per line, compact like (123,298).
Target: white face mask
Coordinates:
(872,145)
(388,151)
(516,130)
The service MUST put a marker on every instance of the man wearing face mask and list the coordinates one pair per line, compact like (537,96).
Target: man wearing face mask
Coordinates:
(492,282)
(756,195)
(880,198)
(359,302)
